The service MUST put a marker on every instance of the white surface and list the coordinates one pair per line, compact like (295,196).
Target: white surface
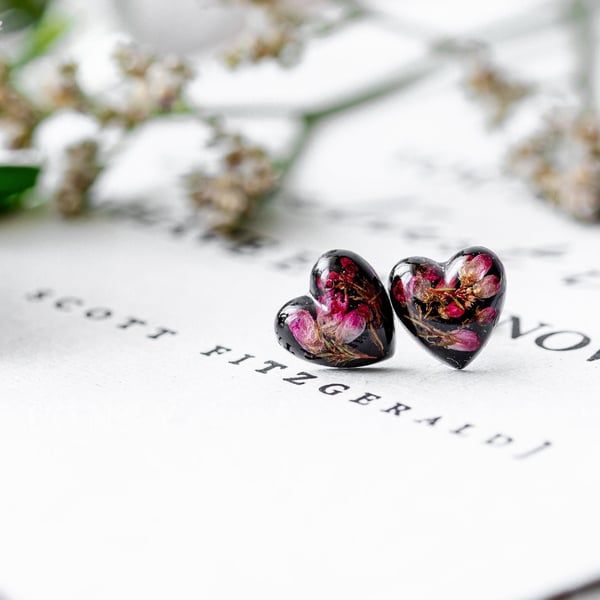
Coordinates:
(139,468)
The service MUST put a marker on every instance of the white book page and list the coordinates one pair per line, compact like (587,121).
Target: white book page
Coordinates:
(156,442)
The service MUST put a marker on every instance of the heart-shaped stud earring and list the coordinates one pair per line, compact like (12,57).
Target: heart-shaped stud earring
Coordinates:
(451,307)
(346,321)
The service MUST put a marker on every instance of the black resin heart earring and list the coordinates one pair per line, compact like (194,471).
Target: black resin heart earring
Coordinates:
(346,321)
(451,307)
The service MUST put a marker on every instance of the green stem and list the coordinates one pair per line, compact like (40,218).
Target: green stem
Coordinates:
(42,37)
(311,120)
(354,12)
(405,78)
(307,128)
(377,91)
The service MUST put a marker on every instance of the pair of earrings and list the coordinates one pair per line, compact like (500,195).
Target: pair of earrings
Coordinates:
(347,320)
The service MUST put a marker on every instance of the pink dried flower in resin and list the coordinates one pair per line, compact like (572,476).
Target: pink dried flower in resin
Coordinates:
(451,307)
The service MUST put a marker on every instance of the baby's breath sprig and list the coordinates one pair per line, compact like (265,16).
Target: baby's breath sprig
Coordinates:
(245,176)
(279,38)
(561,163)
(81,172)
(283,28)
(18,115)
(490,86)
(154,86)
(151,86)
(497,92)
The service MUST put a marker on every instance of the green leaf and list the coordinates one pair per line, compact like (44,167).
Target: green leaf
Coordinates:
(42,37)
(18,14)
(14,180)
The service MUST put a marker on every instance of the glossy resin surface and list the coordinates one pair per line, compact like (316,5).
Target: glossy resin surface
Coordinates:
(451,307)
(346,320)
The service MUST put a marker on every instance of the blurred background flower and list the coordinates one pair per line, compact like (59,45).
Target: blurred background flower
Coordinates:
(225,74)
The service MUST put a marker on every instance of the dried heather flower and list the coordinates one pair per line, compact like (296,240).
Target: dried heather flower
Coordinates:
(152,85)
(63,90)
(494,89)
(561,163)
(132,61)
(247,175)
(18,117)
(279,39)
(166,81)
(579,191)
(281,29)
(81,172)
